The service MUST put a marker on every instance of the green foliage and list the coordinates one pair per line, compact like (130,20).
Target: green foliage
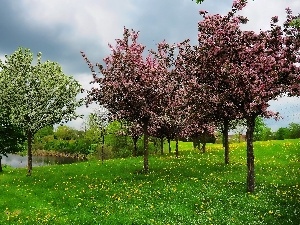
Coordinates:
(120,143)
(93,135)
(45,131)
(43,136)
(11,137)
(65,133)
(293,131)
(70,141)
(193,189)
(261,131)
(295,23)
(290,132)
(118,140)
(281,133)
(78,146)
(199,1)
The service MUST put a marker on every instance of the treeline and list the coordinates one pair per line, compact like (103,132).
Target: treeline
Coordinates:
(67,141)
(116,140)
(292,131)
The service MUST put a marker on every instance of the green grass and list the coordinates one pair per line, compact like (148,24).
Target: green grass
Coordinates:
(193,189)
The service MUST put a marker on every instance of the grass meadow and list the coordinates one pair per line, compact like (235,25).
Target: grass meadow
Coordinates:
(196,188)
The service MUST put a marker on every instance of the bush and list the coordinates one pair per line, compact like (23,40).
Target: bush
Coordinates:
(107,152)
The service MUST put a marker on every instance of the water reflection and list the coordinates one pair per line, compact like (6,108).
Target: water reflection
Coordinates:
(18,161)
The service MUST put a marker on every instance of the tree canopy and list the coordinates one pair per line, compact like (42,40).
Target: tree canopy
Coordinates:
(231,74)
(36,96)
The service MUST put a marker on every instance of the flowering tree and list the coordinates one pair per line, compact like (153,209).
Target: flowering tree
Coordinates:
(244,70)
(135,131)
(198,129)
(206,94)
(36,95)
(180,91)
(131,84)
(162,129)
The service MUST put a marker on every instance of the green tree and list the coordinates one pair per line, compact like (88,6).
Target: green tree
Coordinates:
(293,131)
(45,131)
(281,133)
(97,124)
(64,132)
(11,138)
(261,131)
(41,137)
(37,95)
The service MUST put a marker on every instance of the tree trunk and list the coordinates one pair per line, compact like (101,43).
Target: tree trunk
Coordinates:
(0,164)
(194,144)
(204,143)
(176,148)
(161,145)
(29,152)
(155,144)
(146,152)
(169,143)
(250,154)
(198,145)
(226,142)
(204,147)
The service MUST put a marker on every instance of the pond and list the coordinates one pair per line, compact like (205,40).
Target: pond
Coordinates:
(18,161)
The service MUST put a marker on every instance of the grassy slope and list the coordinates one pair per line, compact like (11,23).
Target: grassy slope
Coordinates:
(194,189)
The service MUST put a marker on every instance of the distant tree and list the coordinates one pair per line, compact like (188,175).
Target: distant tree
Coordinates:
(64,132)
(281,133)
(239,129)
(176,113)
(37,95)
(198,130)
(45,131)
(174,110)
(160,131)
(97,124)
(293,131)
(261,131)
(43,136)
(135,131)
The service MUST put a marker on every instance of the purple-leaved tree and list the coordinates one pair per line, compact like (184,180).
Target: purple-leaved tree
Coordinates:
(131,86)
(244,70)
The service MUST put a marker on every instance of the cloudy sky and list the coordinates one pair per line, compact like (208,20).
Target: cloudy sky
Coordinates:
(61,29)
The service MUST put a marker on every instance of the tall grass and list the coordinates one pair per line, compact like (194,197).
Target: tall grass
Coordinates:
(193,189)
